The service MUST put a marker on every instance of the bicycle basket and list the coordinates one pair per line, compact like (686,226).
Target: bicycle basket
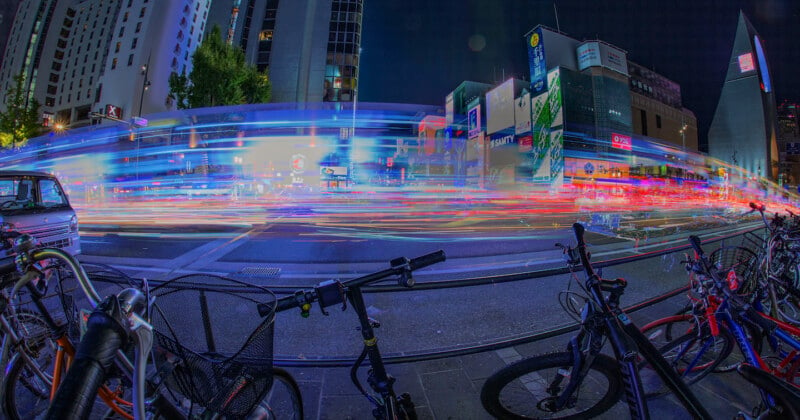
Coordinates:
(742,261)
(211,338)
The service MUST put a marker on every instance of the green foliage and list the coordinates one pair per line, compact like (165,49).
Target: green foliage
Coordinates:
(20,121)
(220,76)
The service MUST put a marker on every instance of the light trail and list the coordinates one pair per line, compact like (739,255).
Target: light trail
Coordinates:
(371,173)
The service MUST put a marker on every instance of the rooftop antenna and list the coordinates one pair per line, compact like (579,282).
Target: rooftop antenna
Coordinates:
(555,9)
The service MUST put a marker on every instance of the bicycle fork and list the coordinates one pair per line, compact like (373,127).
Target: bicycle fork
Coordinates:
(379,380)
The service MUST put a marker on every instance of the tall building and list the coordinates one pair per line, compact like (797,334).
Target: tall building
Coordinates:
(151,40)
(743,131)
(8,9)
(789,143)
(310,48)
(657,108)
(25,47)
(109,57)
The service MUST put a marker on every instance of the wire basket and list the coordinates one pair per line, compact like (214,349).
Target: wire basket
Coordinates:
(742,261)
(210,336)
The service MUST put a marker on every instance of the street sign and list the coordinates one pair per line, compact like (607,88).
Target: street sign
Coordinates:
(113,111)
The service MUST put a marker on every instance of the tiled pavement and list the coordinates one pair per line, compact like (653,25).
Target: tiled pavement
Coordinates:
(450,388)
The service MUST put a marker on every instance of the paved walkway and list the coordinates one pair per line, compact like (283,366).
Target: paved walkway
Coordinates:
(450,388)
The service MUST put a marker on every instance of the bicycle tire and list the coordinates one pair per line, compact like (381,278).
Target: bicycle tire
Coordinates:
(32,398)
(26,395)
(603,366)
(684,351)
(285,399)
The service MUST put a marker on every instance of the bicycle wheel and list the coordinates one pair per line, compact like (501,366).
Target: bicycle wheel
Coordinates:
(667,329)
(529,388)
(283,401)
(26,394)
(692,355)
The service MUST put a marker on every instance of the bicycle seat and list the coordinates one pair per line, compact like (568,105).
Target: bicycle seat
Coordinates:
(609,285)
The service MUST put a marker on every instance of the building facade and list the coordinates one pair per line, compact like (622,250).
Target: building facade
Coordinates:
(102,57)
(310,48)
(743,131)
(579,117)
(789,143)
(26,47)
(8,10)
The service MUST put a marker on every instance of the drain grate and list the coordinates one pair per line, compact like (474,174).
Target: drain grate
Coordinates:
(258,273)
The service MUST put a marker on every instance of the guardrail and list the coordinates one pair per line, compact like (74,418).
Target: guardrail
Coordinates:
(498,344)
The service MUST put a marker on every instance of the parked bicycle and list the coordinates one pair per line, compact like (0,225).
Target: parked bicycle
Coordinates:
(202,374)
(581,382)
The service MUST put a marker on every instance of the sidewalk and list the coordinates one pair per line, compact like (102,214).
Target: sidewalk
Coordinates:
(450,388)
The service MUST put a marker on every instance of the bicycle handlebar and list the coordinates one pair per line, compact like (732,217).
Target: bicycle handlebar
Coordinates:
(105,335)
(399,266)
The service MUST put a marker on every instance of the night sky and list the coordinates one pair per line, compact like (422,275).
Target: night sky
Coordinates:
(417,51)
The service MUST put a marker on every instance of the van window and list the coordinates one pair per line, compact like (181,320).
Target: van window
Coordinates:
(20,193)
(52,196)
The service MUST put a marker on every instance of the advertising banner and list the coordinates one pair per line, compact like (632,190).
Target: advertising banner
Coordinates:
(554,98)
(503,157)
(619,141)
(500,107)
(557,158)
(525,143)
(588,55)
(595,53)
(474,121)
(613,58)
(539,154)
(536,62)
(522,114)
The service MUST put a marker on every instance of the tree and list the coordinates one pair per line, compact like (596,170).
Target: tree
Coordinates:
(220,76)
(20,121)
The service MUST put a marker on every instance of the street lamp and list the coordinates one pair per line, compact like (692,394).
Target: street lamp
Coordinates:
(145,84)
(683,135)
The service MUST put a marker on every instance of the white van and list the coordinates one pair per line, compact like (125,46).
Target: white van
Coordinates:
(34,203)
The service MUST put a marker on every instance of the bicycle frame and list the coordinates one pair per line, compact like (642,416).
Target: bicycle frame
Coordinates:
(65,351)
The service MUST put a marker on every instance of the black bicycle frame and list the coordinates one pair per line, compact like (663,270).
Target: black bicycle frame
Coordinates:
(381,382)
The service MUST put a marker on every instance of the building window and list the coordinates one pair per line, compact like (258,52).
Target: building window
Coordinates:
(141,13)
(125,17)
(133,43)
(122,31)
(113,64)
(643,113)
(265,35)
(658,121)
(48,101)
(138,27)
(130,60)
(116,48)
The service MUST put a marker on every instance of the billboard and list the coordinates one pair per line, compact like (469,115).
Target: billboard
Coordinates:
(588,55)
(746,63)
(557,157)
(596,53)
(522,114)
(503,157)
(474,121)
(620,141)
(539,155)
(554,98)
(536,62)
(500,107)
